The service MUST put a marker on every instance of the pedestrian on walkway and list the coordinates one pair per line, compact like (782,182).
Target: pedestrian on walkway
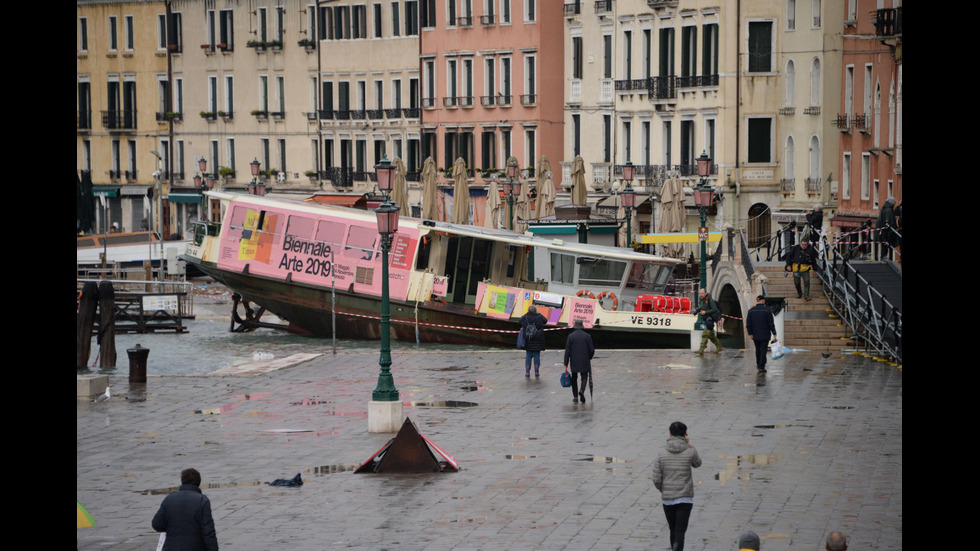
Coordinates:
(672,476)
(801,260)
(710,315)
(814,222)
(532,323)
(749,541)
(836,542)
(760,325)
(185,516)
(579,352)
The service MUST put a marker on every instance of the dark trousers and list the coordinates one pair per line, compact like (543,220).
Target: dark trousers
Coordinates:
(585,380)
(677,518)
(761,347)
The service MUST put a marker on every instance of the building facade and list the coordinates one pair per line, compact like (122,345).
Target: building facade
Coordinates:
(869,119)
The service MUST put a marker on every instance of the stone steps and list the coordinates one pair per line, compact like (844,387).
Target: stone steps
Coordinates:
(807,325)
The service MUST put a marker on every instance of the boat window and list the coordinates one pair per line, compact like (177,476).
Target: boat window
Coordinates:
(299,226)
(606,273)
(236,222)
(361,242)
(648,277)
(331,233)
(562,268)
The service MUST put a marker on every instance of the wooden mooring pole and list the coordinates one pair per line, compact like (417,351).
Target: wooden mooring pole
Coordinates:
(88,301)
(107,325)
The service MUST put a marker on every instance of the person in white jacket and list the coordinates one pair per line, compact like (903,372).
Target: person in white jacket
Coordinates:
(672,476)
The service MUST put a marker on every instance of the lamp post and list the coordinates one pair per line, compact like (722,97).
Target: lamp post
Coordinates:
(704,196)
(385,412)
(628,199)
(512,187)
(253,186)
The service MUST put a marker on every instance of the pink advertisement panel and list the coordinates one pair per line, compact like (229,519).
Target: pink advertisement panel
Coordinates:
(314,248)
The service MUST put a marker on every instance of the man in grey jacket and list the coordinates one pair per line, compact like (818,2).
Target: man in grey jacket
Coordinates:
(672,476)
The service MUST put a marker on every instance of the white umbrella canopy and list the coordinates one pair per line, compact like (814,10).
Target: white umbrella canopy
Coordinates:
(580,195)
(522,209)
(672,211)
(492,218)
(430,206)
(399,190)
(546,196)
(461,193)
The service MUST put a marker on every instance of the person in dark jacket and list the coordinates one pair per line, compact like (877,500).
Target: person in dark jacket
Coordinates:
(814,219)
(579,351)
(760,325)
(801,259)
(887,225)
(185,516)
(672,476)
(534,343)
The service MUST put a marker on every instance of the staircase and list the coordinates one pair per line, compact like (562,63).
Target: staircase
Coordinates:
(807,325)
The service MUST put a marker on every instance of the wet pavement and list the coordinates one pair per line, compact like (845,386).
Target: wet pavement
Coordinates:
(814,445)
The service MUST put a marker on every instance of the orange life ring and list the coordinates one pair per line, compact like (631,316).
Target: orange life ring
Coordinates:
(585,293)
(615,304)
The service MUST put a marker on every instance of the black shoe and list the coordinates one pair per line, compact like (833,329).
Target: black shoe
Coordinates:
(575,399)
(536,374)
(762,370)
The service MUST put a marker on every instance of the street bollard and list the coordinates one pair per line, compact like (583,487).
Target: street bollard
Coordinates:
(137,363)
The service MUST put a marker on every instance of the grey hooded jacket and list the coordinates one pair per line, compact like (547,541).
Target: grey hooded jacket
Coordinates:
(672,469)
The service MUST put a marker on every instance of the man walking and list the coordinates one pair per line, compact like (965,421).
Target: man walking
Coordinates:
(579,351)
(749,541)
(836,542)
(801,259)
(672,476)
(710,314)
(185,516)
(761,326)
(532,323)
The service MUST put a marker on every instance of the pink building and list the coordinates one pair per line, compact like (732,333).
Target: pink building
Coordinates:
(870,116)
(492,86)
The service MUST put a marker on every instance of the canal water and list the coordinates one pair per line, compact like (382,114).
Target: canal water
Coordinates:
(208,344)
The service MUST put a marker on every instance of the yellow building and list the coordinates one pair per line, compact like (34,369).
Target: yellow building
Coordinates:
(121,63)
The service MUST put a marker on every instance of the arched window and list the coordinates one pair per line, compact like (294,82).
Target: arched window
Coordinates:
(759,225)
(789,101)
(813,179)
(815,83)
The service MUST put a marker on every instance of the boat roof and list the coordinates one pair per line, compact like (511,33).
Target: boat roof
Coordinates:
(427,226)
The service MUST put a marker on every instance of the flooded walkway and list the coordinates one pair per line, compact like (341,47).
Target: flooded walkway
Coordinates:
(813,446)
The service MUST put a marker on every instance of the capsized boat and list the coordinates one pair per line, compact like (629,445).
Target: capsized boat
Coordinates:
(448,283)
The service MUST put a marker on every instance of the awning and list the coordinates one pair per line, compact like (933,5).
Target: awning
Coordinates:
(108,191)
(188,197)
(850,220)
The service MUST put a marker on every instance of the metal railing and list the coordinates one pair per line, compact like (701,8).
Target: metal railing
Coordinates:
(875,321)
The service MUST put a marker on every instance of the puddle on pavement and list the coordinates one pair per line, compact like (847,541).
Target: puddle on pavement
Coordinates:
(331,469)
(743,467)
(677,366)
(781,426)
(472,386)
(839,407)
(286,431)
(520,457)
(442,404)
(211,486)
(449,368)
(601,459)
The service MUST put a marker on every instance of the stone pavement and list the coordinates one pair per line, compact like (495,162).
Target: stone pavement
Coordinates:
(813,446)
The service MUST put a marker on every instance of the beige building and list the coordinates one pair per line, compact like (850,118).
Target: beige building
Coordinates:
(658,83)
(810,62)
(370,92)
(120,63)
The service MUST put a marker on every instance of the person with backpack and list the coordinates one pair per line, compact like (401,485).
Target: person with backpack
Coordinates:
(710,315)
(532,324)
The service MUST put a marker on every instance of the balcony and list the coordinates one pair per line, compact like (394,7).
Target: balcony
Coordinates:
(325,114)
(412,113)
(466,101)
(504,100)
(842,123)
(812,110)
(393,113)
(487,20)
(342,114)
(697,81)
(888,23)
(358,114)
(813,185)
(603,6)
(169,116)
(861,122)
(574,8)
(278,115)
(606,87)
(528,100)
(131,175)
(119,119)
(787,185)
(464,21)
(428,103)
(488,101)
(450,102)
(375,114)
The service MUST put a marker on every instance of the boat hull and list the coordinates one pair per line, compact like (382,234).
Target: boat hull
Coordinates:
(311,308)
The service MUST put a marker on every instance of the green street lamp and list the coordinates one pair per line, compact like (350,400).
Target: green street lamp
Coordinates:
(387,215)
(512,188)
(628,200)
(704,197)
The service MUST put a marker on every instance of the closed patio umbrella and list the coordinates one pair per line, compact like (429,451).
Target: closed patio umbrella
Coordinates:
(580,195)
(430,206)
(492,218)
(461,193)
(399,190)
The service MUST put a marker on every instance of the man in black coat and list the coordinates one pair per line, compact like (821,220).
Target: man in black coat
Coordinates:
(185,516)
(579,351)
(760,324)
